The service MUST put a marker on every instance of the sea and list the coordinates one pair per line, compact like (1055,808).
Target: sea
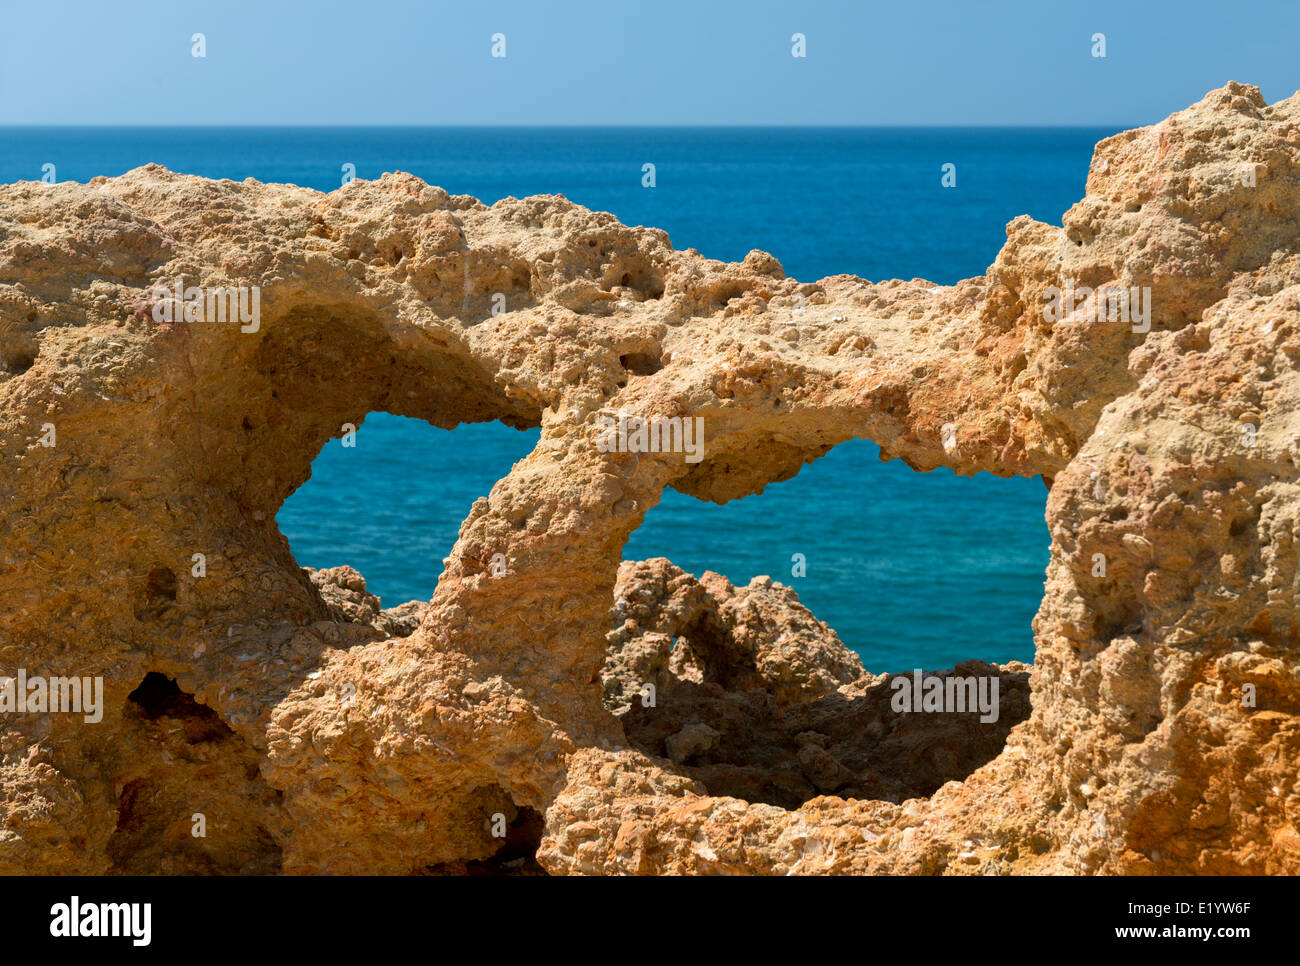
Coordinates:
(911,569)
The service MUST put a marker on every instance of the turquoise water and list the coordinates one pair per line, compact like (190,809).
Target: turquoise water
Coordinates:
(911,569)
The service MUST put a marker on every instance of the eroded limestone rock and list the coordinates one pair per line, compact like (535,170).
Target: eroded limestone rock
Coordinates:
(343,590)
(666,625)
(755,698)
(127,446)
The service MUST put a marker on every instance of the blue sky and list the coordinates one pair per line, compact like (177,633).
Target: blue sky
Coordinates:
(603,62)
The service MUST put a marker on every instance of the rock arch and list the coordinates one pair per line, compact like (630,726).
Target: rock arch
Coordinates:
(385,752)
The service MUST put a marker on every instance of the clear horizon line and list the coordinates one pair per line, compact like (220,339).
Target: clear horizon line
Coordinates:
(1123,126)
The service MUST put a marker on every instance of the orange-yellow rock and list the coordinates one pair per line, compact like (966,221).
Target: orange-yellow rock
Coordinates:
(319,734)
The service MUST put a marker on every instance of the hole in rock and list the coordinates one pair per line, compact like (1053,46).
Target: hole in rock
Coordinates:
(160,584)
(191,799)
(159,593)
(649,283)
(516,856)
(726,292)
(756,698)
(159,695)
(20,359)
(392,505)
(641,363)
(18,348)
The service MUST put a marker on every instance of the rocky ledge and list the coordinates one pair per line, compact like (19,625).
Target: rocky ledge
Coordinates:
(1144,359)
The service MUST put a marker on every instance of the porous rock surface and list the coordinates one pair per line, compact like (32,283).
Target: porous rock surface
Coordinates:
(319,736)
(757,699)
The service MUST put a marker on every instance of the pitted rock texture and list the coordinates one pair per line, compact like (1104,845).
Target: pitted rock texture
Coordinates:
(668,625)
(323,740)
(755,698)
(344,591)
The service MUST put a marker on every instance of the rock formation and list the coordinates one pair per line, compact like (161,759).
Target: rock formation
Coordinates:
(757,699)
(142,463)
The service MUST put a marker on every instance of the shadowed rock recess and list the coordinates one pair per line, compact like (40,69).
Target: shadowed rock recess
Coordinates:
(318,733)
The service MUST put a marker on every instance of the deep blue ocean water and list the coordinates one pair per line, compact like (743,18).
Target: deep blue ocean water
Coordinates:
(911,569)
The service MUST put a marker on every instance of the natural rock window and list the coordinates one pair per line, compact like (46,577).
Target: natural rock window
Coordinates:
(1162,736)
(390,504)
